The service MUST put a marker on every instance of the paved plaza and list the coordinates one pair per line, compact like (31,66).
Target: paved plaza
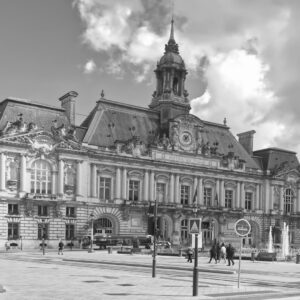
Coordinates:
(99,275)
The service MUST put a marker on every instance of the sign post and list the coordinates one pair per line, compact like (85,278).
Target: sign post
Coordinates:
(195,229)
(242,228)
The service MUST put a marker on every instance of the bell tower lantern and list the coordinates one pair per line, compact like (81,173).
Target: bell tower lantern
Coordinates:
(170,96)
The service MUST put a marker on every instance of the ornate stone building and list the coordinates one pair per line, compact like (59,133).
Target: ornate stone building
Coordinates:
(55,175)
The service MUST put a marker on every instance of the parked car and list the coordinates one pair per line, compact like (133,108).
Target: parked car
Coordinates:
(164,244)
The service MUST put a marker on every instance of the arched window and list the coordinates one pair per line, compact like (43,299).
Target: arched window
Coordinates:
(41,177)
(288,201)
(103,226)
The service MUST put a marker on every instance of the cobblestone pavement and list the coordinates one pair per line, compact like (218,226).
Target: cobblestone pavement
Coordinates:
(99,275)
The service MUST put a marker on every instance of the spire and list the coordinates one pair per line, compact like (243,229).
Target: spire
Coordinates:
(172,46)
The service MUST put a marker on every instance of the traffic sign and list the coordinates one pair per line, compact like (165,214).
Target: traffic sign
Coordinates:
(242,227)
(195,226)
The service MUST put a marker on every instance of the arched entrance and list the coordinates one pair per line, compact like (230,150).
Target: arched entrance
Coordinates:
(104,226)
(164,225)
(209,229)
(253,238)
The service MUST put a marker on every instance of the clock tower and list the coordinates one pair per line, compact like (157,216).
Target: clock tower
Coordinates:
(170,97)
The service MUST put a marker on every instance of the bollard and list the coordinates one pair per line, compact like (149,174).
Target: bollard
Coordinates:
(297,258)
(253,256)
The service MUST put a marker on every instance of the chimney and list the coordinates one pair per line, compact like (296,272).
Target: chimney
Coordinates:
(246,140)
(68,103)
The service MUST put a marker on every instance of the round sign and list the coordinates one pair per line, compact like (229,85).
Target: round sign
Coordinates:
(242,227)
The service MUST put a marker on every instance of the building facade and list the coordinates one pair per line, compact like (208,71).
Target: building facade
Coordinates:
(58,178)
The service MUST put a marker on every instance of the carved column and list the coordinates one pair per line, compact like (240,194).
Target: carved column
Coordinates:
(195,188)
(222,194)
(271,201)
(78,179)
(54,182)
(242,195)
(171,189)
(23,174)
(217,196)
(267,196)
(151,186)
(281,200)
(61,166)
(257,206)
(200,191)
(146,186)
(238,195)
(177,189)
(118,183)
(124,183)
(94,180)
(298,201)
(2,172)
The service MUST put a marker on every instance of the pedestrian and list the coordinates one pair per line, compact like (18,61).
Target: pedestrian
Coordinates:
(213,253)
(7,245)
(223,252)
(218,252)
(230,254)
(60,247)
(190,255)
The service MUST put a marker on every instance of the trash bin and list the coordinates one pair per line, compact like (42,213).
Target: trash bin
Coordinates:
(253,256)
(109,249)
(180,252)
(298,259)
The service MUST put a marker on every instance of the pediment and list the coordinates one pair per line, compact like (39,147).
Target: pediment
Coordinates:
(291,176)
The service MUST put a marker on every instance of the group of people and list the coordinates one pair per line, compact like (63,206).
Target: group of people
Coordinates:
(221,252)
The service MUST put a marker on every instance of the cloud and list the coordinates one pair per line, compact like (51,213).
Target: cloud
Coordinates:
(89,67)
(245,53)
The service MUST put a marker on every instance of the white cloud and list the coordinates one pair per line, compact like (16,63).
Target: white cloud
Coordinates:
(89,67)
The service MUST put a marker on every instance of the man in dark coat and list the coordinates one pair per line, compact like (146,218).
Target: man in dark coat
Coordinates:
(213,253)
(230,254)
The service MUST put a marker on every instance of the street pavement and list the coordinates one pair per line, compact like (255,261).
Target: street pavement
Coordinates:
(100,275)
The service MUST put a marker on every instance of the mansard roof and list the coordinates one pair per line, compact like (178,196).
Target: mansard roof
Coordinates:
(112,121)
(40,114)
(274,159)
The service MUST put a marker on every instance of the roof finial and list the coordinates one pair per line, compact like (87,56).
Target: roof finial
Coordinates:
(225,121)
(172,23)
(102,94)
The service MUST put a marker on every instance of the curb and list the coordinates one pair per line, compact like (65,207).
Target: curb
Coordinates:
(148,266)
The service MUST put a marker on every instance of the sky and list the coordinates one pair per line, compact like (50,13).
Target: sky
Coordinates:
(243,57)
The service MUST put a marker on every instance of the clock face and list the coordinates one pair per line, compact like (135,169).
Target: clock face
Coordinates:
(186,138)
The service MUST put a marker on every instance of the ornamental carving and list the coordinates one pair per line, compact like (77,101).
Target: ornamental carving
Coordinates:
(232,161)
(134,146)
(56,211)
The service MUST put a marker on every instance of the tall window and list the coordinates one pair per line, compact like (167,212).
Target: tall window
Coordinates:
(184,231)
(248,200)
(185,194)
(103,226)
(13,231)
(43,210)
(134,190)
(43,231)
(160,191)
(12,175)
(70,231)
(288,201)
(105,188)
(69,180)
(13,209)
(41,177)
(70,211)
(207,197)
(228,198)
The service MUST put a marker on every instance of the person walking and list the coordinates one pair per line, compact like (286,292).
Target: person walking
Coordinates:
(218,252)
(213,253)
(60,247)
(223,252)
(230,254)
(190,255)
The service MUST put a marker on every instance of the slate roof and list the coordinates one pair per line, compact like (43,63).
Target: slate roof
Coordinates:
(274,158)
(112,121)
(40,114)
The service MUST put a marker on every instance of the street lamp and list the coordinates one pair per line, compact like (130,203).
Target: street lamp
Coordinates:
(43,236)
(92,233)
(21,242)
(195,271)
(154,240)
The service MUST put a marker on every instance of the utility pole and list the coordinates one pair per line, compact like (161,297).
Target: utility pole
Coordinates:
(154,240)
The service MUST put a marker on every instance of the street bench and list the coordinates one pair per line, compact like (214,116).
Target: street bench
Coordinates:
(266,256)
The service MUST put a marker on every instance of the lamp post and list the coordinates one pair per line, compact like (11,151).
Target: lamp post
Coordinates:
(92,233)
(195,271)
(43,236)
(154,240)
(21,242)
